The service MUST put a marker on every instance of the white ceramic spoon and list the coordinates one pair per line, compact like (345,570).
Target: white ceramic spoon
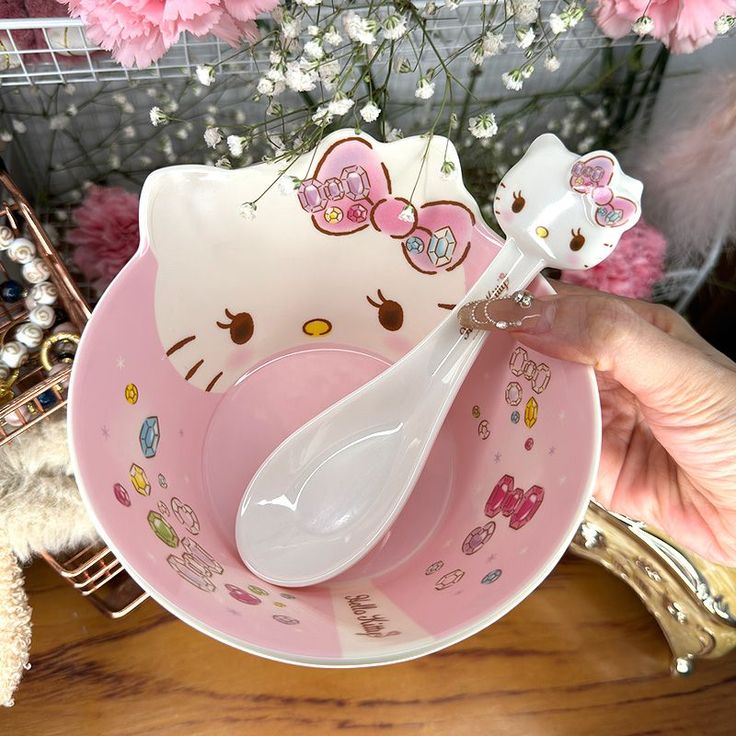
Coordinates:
(331,490)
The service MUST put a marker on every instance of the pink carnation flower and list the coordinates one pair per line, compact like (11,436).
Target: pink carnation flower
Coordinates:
(682,25)
(632,269)
(138,32)
(106,233)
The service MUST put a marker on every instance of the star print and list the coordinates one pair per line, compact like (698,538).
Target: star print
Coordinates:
(120,362)
(552,450)
(105,432)
(497,457)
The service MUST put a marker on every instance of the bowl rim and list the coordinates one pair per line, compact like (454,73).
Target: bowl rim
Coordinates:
(396,656)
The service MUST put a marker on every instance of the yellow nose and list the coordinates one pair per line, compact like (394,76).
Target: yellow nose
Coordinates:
(317,327)
(542,231)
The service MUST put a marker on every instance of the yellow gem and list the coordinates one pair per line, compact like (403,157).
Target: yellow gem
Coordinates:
(531,411)
(131,393)
(279,604)
(333,214)
(139,480)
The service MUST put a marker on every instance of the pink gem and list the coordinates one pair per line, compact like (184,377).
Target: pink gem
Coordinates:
(121,494)
(529,444)
(357,213)
(310,195)
(355,182)
(243,596)
(332,189)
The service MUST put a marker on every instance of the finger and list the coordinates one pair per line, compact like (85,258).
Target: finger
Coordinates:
(606,333)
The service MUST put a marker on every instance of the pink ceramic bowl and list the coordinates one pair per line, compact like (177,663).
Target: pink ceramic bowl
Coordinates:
(224,334)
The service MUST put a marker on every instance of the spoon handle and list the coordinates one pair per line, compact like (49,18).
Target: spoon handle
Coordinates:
(449,353)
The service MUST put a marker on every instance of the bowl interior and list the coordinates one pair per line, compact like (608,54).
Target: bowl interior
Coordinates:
(163,455)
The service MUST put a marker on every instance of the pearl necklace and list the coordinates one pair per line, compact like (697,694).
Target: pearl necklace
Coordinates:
(39,299)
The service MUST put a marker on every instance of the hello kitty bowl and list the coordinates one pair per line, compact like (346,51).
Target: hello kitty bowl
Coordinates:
(224,334)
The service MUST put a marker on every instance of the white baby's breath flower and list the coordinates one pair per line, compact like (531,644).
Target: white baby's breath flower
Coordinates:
(724,23)
(313,30)
(586,144)
(212,136)
(525,11)
(205,74)
(394,27)
(551,63)
(223,163)
(248,210)
(513,80)
(308,3)
(298,79)
(527,70)
(493,43)
(322,116)
(643,25)
(332,37)
(72,111)
(328,72)
(573,15)
(370,112)
(431,8)
(182,134)
(313,49)
(360,30)
(158,116)
(425,89)
(477,55)
(483,126)
(557,24)
(236,144)
(58,122)
(19,126)
(447,170)
(524,37)
(265,86)
(275,57)
(6,136)
(129,132)
(290,29)
(394,134)
(407,214)
(340,105)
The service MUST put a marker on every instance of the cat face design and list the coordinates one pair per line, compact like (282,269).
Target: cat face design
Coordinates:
(231,293)
(572,208)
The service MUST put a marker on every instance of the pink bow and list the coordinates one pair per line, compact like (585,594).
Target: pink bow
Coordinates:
(592,177)
(351,190)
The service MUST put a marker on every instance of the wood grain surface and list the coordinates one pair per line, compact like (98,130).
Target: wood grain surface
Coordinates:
(580,656)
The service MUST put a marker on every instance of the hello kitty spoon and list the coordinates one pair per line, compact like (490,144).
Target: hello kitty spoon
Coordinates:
(330,491)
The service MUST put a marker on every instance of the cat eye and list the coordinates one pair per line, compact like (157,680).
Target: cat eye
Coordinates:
(240,326)
(390,312)
(518,203)
(577,241)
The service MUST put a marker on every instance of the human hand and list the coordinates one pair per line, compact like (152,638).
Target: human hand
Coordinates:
(668,402)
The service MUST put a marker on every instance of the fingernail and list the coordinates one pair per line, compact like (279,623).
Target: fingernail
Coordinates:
(509,316)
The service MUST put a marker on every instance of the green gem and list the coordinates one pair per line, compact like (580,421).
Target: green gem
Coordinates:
(162,529)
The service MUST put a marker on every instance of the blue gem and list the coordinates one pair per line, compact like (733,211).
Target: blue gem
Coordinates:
(414,244)
(491,577)
(149,436)
(47,399)
(515,416)
(11,291)
(441,246)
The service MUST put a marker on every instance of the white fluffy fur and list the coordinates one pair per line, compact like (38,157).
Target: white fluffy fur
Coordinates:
(40,509)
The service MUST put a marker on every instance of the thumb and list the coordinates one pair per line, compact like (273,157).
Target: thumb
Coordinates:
(598,330)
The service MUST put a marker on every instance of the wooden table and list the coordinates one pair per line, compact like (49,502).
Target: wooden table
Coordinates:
(580,656)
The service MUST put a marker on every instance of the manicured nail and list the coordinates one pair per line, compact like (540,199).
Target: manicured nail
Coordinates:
(508,315)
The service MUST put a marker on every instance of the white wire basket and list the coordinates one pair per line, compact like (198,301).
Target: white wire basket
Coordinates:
(62,54)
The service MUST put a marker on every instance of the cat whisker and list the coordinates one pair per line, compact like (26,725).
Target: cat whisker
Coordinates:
(212,383)
(194,369)
(178,345)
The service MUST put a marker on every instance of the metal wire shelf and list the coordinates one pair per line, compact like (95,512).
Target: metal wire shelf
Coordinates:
(66,56)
